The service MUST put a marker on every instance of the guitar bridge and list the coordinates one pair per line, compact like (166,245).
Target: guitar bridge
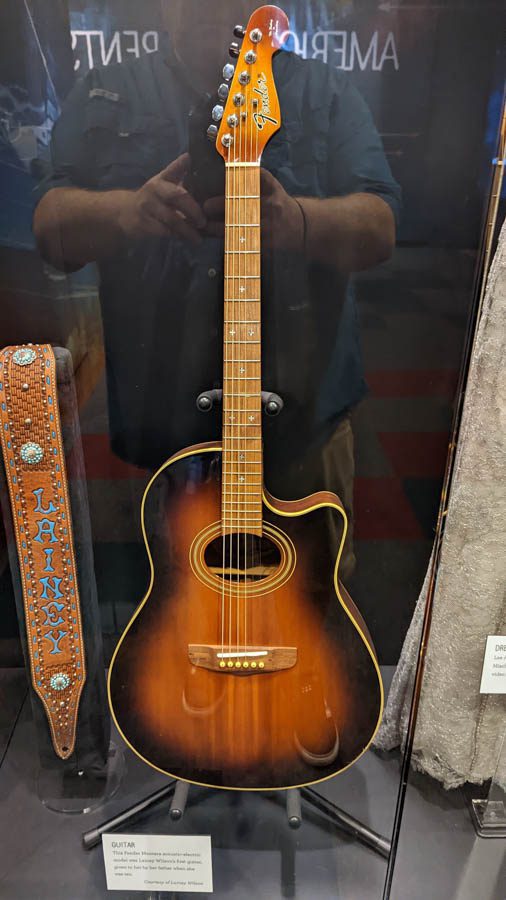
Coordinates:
(244,661)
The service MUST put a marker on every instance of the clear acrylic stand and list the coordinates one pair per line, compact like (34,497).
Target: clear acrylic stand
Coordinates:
(75,790)
(489,814)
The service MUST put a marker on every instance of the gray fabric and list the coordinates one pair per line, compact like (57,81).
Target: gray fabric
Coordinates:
(459,732)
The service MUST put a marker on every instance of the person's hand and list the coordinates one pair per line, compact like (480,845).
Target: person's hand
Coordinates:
(282,223)
(163,207)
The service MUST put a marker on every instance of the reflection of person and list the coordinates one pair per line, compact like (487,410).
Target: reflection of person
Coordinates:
(116,195)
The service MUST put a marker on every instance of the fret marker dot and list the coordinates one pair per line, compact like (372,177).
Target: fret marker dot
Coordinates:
(242,370)
(242,240)
(242,289)
(241,478)
(252,418)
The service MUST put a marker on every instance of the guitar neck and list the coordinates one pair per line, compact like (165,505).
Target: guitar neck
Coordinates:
(242,407)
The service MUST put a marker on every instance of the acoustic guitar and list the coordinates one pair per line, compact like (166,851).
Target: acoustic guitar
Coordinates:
(247,664)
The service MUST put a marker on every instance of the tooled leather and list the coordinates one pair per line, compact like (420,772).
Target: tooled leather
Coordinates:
(36,476)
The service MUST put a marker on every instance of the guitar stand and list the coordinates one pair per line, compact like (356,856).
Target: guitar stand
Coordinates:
(178,792)
(271,403)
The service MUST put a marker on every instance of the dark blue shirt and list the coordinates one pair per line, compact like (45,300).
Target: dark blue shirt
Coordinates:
(162,299)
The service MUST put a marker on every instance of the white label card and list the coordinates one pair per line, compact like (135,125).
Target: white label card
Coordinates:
(158,862)
(493,676)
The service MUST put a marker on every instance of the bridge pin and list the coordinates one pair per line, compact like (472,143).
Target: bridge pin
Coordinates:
(222,665)
(253,665)
(261,665)
(230,664)
(238,664)
(245,665)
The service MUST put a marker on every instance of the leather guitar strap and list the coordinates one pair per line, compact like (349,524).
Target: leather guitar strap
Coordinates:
(36,475)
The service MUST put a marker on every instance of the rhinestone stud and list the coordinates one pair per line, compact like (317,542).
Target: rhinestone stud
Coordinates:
(24,356)
(31,453)
(59,681)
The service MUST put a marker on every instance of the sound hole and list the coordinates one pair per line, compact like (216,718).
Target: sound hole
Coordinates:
(242,558)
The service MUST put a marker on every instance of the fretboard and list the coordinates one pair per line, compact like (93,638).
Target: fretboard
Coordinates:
(242,409)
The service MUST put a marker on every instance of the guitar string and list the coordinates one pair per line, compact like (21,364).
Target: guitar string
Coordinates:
(231,382)
(235,351)
(240,354)
(258,217)
(225,364)
(227,442)
(244,383)
(251,244)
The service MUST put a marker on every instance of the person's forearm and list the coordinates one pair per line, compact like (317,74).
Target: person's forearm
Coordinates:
(73,227)
(352,232)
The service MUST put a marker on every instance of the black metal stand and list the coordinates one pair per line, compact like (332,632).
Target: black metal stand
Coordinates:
(178,792)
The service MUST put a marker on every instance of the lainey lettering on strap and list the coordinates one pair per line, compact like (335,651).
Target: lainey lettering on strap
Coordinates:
(36,475)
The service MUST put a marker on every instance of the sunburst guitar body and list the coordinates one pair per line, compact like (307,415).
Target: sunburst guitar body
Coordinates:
(246,665)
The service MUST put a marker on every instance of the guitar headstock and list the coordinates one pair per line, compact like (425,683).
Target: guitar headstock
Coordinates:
(249,114)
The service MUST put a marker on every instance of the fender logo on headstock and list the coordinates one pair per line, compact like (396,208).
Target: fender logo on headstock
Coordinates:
(263,116)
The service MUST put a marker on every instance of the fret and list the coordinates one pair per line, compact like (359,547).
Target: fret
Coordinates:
(241,472)
(232,501)
(244,502)
(233,472)
(238,514)
(243,450)
(242,276)
(242,225)
(228,341)
(242,197)
(240,252)
(226,504)
(239,521)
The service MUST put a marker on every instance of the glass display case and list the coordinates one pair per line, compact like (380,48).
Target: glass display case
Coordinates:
(252,430)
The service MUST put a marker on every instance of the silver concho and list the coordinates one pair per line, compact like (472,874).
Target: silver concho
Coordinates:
(24,356)
(31,453)
(59,681)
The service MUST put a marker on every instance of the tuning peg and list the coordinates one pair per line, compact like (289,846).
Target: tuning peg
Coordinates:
(228,71)
(212,132)
(217,112)
(234,50)
(223,91)
(239,31)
